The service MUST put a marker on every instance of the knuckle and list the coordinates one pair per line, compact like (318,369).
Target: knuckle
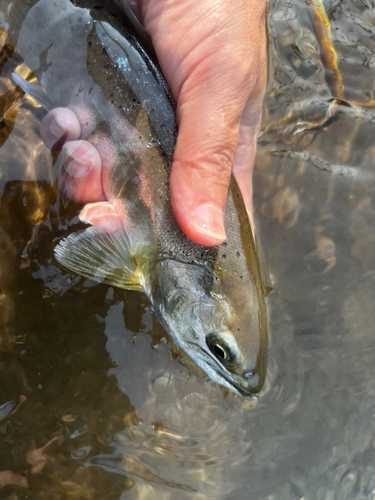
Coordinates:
(215,169)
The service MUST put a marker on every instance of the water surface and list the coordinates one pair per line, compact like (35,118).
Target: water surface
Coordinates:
(94,400)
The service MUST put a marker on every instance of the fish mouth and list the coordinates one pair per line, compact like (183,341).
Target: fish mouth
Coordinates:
(208,360)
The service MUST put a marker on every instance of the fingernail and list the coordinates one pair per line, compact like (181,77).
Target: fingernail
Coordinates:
(58,127)
(209,220)
(77,167)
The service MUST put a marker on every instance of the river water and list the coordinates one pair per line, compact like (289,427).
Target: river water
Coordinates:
(94,401)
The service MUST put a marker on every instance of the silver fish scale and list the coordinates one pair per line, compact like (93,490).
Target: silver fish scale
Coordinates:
(172,242)
(230,255)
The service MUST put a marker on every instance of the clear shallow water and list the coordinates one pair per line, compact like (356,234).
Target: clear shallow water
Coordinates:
(95,403)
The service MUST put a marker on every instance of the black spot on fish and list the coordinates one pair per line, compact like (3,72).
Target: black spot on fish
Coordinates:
(238,254)
(79,19)
(224,244)
(224,256)
(241,277)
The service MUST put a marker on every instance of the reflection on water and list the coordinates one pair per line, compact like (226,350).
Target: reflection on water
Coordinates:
(94,401)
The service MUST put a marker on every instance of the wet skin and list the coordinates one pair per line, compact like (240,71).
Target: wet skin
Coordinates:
(217,76)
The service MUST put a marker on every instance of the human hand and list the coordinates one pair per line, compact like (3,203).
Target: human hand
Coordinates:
(213,56)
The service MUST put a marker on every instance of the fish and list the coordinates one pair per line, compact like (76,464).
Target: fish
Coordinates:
(210,300)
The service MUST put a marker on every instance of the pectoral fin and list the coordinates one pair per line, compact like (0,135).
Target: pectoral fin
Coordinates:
(104,257)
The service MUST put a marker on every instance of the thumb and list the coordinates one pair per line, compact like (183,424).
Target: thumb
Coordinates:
(203,162)
(212,53)
(215,116)
(220,78)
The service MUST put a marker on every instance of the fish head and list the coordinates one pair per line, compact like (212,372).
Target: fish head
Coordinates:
(216,322)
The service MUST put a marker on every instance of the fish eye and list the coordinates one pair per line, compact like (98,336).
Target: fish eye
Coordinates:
(221,350)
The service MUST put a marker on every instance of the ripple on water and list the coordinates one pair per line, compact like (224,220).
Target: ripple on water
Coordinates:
(121,414)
